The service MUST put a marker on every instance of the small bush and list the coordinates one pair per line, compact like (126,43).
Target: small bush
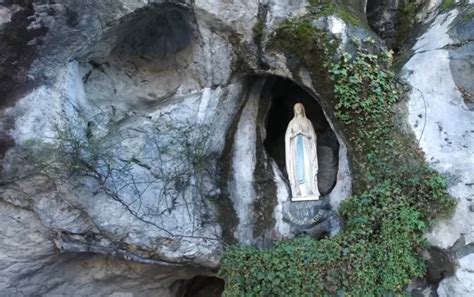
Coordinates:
(395,198)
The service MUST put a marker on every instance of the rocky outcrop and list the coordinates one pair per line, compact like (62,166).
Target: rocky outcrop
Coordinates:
(139,138)
(383,16)
(134,146)
(31,265)
(439,74)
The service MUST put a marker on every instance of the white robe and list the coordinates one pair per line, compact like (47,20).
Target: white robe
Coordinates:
(303,181)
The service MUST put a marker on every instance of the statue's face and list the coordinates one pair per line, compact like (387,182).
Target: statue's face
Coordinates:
(298,108)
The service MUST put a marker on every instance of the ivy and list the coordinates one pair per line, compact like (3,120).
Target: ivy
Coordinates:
(395,198)
(447,4)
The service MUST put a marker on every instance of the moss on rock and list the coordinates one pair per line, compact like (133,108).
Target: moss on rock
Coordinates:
(396,196)
(447,4)
(343,10)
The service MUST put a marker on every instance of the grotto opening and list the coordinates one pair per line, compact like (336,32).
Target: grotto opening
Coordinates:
(284,94)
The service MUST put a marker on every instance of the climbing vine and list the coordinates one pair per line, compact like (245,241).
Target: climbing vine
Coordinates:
(395,198)
(176,172)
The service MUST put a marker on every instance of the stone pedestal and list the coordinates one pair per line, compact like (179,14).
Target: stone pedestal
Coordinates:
(311,217)
(306,198)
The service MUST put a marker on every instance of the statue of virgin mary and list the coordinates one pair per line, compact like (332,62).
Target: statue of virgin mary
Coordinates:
(301,157)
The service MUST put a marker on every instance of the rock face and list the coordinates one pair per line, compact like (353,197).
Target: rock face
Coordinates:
(133,142)
(383,16)
(440,113)
(31,265)
(138,138)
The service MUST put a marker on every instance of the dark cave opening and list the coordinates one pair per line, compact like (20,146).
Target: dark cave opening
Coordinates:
(203,286)
(158,33)
(284,95)
(152,33)
(137,64)
(372,6)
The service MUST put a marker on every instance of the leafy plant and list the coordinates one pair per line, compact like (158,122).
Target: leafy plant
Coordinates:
(447,4)
(331,7)
(395,199)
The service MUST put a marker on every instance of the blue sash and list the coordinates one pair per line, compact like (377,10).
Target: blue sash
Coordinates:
(299,157)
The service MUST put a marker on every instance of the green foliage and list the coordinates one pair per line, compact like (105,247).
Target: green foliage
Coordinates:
(306,40)
(258,31)
(406,21)
(363,88)
(241,63)
(309,44)
(447,4)
(331,7)
(289,269)
(395,197)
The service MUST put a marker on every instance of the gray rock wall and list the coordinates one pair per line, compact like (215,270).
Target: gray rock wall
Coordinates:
(162,106)
(439,74)
(131,142)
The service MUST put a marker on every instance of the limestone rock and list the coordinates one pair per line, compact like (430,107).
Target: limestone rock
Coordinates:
(327,173)
(162,108)
(439,74)
(461,283)
(132,141)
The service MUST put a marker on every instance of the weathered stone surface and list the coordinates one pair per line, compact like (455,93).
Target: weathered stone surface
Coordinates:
(114,71)
(31,265)
(382,16)
(304,214)
(439,264)
(462,55)
(461,284)
(443,123)
(119,71)
(124,80)
(315,218)
(439,136)
(327,169)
